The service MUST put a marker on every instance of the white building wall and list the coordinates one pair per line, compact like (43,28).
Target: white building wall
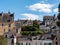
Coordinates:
(46,41)
(36,42)
(41,42)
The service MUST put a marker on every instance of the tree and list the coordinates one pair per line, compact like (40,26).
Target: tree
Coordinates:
(58,16)
(31,30)
(35,24)
(3,40)
(58,22)
(59,8)
(28,28)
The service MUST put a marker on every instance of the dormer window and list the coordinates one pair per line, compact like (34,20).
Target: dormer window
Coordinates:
(8,20)
(11,15)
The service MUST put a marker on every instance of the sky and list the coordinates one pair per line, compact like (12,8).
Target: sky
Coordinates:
(30,9)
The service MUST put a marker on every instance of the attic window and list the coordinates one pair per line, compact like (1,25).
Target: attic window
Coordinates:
(11,15)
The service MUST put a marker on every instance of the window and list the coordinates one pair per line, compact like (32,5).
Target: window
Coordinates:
(4,30)
(51,19)
(4,18)
(16,30)
(12,36)
(0,14)
(5,36)
(46,43)
(48,19)
(18,44)
(12,41)
(28,44)
(56,38)
(36,43)
(8,20)
(11,15)
(2,24)
(56,43)
(21,43)
(8,30)
(9,25)
(50,43)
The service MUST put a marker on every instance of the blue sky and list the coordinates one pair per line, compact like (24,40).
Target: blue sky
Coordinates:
(29,9)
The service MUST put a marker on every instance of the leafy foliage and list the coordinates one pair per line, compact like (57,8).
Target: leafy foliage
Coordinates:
(31,30)
(3,40)
(58,16)
(59,8)
(28,28)
(58,22)
(35,24)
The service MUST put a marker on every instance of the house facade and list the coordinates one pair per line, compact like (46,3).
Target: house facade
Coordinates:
(7,23)
(26,41)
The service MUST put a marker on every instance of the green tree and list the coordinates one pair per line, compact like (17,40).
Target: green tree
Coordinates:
(28,28)
(35,24)
(59,8)
(31,28)
(58,16)
(58,22)
(3,40)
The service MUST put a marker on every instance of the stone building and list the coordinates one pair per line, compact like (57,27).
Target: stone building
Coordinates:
(24,22)
(49,23)
(49,20)
(25,40)
(7,23)
(56,33)
(56,37)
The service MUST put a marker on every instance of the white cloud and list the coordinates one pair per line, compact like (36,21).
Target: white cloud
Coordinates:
(30,16)
(55,10)
(41,7)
